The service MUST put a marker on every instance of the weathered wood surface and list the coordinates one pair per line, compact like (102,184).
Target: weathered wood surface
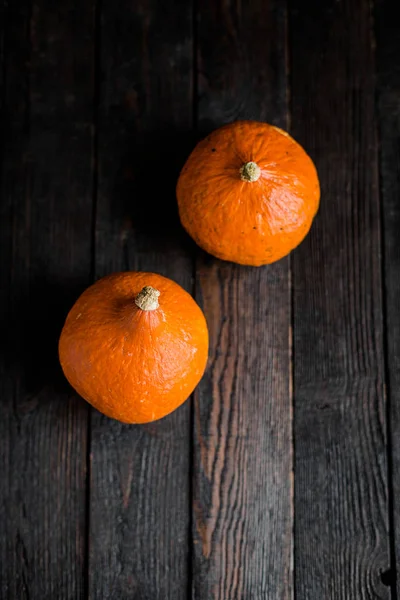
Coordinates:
(140,476)
(341,489)
(242,497)
(45,254)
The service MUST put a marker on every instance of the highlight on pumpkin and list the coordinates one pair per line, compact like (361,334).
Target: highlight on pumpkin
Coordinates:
(134,345)
(248,193)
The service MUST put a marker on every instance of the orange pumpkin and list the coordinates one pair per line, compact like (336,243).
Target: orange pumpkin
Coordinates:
(248,193)
(135,346)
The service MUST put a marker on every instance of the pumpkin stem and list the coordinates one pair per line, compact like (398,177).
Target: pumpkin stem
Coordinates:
(147,299)
(250,172)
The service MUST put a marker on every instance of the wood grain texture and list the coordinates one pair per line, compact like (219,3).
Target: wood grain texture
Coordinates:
(45,220)
(388,88)
(140,505)
(341,496)
(243,455)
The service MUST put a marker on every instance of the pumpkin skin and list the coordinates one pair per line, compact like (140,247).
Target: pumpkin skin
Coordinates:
(248,193)
(134,364)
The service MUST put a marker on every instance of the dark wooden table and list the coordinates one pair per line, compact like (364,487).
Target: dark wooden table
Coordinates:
(280,478)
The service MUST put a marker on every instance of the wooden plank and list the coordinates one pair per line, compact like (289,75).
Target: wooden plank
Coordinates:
(388,67)
(45,246)
(243,455)
(341,496)
(140,507)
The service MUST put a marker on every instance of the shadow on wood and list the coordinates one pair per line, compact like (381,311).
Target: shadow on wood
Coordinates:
(144,187)
(31,329)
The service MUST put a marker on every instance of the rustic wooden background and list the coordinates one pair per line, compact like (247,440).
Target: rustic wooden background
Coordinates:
(280,478)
